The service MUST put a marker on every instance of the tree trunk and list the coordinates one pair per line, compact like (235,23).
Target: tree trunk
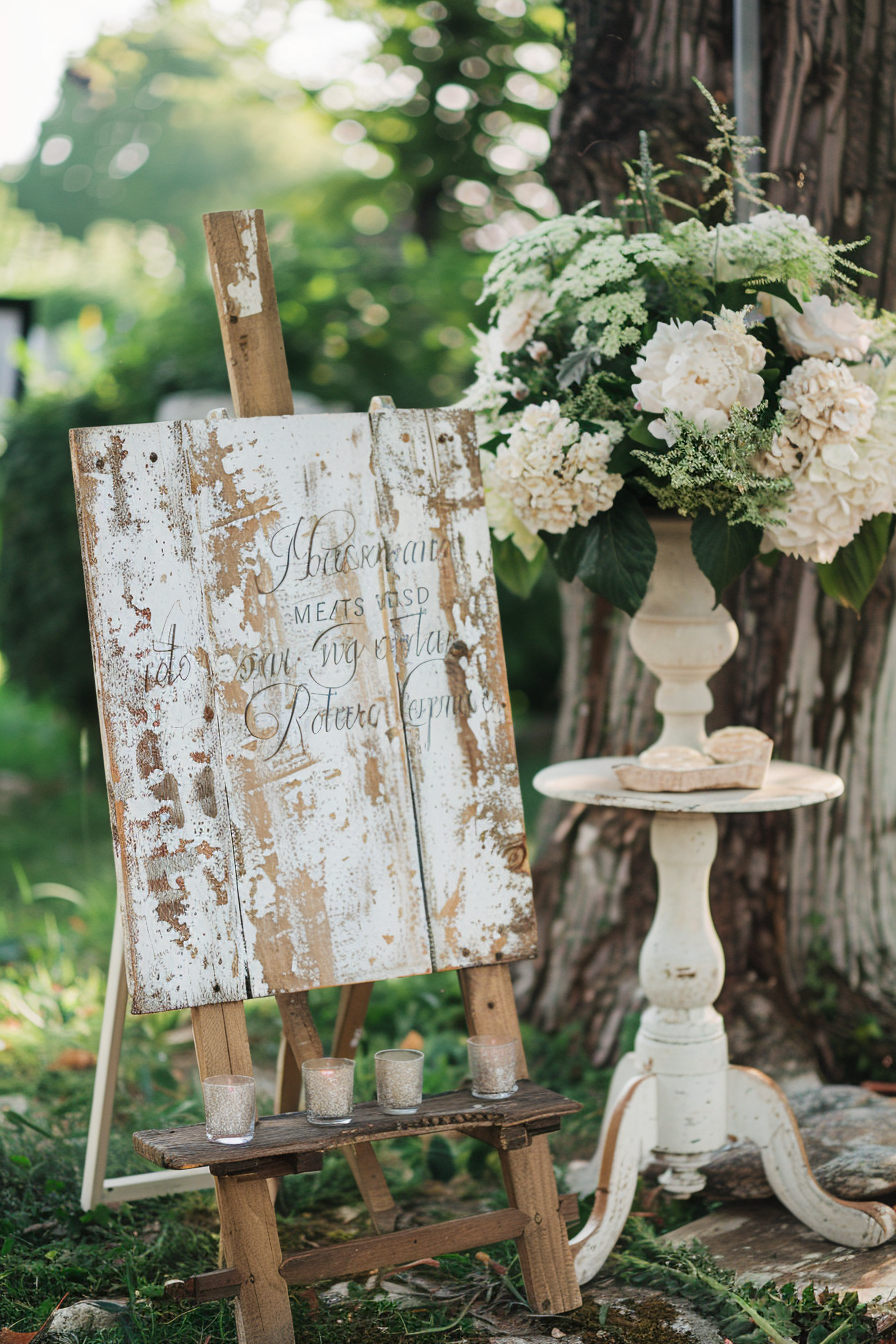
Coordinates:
(805,903)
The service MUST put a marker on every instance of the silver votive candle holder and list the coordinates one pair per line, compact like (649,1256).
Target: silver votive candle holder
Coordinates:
(399,1080)
(492,1066)
(229,1107)
(328,1084)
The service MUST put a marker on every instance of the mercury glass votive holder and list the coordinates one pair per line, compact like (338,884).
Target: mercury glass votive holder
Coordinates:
(399,1080)
(229,1107)
(328,1085)
(492,1066)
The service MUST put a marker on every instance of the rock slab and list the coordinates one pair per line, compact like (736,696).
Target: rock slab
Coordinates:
(850,1139)
(762,1240)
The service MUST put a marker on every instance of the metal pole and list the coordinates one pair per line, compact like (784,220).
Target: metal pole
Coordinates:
(747,82)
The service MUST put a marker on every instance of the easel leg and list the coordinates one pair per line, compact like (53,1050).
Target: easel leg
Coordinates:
(107,1060)
(248,1228)
(363,1161)
(303,1042)
(758,1110)
(544,1250)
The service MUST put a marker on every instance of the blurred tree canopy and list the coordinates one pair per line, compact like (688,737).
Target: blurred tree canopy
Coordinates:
(392,147)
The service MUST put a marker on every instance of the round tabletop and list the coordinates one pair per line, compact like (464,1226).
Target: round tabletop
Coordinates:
(787,785)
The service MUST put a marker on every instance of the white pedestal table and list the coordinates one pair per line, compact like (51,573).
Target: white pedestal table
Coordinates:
(675,1096)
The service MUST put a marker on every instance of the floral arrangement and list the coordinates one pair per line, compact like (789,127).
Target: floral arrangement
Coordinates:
(727,372)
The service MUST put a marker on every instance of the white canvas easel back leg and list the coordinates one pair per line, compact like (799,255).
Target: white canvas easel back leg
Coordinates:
(96,1187)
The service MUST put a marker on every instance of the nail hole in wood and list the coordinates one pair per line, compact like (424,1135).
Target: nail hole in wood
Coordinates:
(234,318)
(153,457)
(100,463)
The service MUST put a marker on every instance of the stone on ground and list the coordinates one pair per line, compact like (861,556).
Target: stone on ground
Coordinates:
(850,1138)
(761,1241)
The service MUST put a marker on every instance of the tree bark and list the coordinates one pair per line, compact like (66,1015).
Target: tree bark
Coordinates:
(804,902)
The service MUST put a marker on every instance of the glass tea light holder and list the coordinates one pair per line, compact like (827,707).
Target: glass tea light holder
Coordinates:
(399,1080)
(328,1085)
(229,1107)
(492,1066)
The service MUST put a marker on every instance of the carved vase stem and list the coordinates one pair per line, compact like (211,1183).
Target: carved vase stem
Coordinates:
(682,635)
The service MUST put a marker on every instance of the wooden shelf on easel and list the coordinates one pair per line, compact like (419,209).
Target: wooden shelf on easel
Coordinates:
(288,1143)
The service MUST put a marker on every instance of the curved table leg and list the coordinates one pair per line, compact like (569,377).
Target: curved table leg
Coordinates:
(759,1110)
(582,1177)
(631,1129)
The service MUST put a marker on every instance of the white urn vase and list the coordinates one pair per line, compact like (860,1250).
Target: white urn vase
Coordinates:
(682,634)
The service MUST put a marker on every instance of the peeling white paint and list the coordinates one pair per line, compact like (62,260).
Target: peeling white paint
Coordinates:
(246,289)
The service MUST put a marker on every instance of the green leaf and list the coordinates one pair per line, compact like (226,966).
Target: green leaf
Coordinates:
(513,569)
(722,549)
(736,294)
(642,435)
(851,574)
(780,290)
(618,555)
(574,367)
(621,459)
(566,550)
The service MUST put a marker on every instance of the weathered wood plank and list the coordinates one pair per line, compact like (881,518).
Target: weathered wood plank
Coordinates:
(368,1253)
(291,1133)
(320,801)
(210,1287)
(247,309)
(220,1283)
(351,634)
(453,684)
(184,942)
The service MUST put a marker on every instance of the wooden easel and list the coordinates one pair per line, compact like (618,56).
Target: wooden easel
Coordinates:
(255,1274)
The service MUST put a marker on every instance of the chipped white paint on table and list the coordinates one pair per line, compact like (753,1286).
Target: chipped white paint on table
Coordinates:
(787,785)
(303,700)
(674,1098)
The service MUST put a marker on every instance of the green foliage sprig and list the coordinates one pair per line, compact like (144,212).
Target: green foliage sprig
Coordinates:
(747,1313)
(716,472)
(738,150)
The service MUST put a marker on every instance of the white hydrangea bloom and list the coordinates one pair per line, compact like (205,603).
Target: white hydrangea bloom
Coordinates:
(699,370)
(549,477)
(840,455)
(828,330)
(765,241)
(826,409)
(518,320)
(503,520)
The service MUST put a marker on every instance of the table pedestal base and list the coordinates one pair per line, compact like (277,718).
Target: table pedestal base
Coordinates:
(751,1106)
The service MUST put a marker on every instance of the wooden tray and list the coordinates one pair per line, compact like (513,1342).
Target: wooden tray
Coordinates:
(531,1110)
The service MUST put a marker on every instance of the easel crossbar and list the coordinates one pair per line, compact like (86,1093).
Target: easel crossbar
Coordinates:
(371,1253)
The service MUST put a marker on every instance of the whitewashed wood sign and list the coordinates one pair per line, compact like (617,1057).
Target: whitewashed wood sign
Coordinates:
(304,703)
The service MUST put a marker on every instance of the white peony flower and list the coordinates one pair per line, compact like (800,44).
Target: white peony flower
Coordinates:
(829,330)
(699,370)
(518,322)
(841,460)
(548,477)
